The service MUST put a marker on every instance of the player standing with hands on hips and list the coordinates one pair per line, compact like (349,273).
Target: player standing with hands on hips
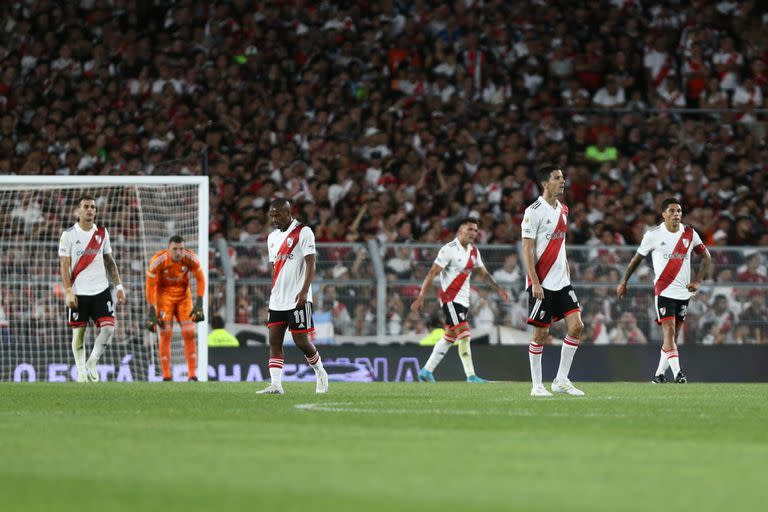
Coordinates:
(87,267)
(455,263)
(671,244)
(550,294)
(292,254)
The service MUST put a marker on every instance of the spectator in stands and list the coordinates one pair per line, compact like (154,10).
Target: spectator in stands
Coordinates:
(627,332)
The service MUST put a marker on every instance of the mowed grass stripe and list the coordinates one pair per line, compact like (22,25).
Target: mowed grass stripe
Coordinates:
(451,446)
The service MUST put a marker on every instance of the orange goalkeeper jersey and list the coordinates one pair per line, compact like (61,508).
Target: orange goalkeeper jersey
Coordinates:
(168,279)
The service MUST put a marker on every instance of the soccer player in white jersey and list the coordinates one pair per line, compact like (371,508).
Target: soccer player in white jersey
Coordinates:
(87,267)
(550,294)
(455,263)
(292,254)
(670,244)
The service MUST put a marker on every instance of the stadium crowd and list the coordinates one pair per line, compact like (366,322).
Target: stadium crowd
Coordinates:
(392,119)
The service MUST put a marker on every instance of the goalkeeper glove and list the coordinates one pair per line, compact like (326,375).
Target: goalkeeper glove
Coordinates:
(151,319)
(197,314)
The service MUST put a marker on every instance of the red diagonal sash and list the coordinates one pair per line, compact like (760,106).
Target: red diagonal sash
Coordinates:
(549,256)
(675,263)
(453,289)
(91,250)
(662,74)
(285,250)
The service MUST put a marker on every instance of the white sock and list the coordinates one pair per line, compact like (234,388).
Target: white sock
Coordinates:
(663,363)
(570,345)
(78,347)
(276,371)
(438,352)
(101,343)
(674,361)
(534,356)
(315,362)
(465,354)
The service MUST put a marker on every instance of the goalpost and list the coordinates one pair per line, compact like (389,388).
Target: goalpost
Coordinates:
(141,213)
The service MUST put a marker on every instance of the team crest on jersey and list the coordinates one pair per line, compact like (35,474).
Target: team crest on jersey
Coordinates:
(663,310)
(541,315)
(686,242)
(98,238)
(183,269)
(683,310)
(565,219)
(75,315)
(289,242)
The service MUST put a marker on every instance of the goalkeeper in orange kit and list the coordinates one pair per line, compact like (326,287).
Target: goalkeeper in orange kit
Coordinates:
(169,296)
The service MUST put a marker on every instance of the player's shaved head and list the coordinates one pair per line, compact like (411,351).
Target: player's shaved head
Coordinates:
(280,203)
(280,213)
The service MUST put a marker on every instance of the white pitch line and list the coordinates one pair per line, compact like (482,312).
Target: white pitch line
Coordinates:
(342,407)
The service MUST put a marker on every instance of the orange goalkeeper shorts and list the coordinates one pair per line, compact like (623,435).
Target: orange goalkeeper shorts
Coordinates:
(170,308)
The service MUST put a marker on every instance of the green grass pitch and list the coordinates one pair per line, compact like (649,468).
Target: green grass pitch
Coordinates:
(382,447)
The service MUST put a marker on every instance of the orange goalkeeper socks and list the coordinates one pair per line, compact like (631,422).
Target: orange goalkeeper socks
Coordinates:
(164,349)
(190,351)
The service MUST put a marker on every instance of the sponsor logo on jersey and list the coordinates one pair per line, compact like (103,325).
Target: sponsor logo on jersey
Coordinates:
(663,243)
(558,235)
(280,257)
(549,221)
(676,256)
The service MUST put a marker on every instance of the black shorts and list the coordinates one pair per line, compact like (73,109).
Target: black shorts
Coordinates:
(667,308)
(97,307)
(555,306)
(455,314)
(298,320)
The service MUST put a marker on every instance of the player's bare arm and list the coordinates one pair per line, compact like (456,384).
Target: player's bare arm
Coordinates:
(706,264)
(621,289)
(70,299)
(309,261)
(488,278)
(111,267)
(425,286)
(529,258)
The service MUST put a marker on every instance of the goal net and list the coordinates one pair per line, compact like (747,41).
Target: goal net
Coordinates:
(141,214)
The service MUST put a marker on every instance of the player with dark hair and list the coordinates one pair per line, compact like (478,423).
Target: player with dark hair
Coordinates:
(455,263)
(292,254)
(670,244)
(550,294)
(87,267)
(169,297)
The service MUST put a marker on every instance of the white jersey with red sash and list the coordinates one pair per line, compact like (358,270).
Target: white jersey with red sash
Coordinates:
(457,263)
(86,250)
(287,250)
(548,226)
(671,255)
